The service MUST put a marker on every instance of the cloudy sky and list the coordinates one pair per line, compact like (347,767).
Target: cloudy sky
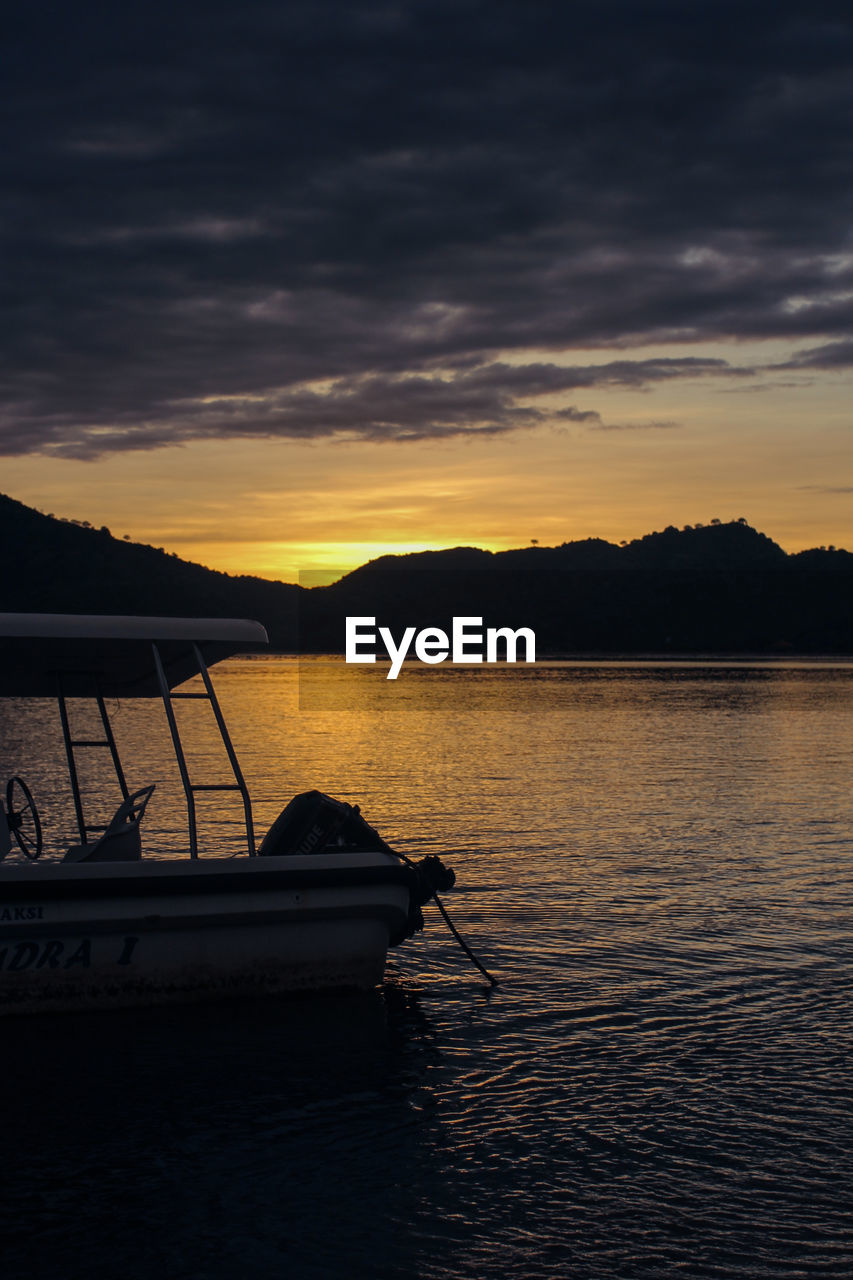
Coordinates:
(290,283)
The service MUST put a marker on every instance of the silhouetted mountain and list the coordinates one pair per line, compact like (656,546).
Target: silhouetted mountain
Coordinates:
(705,547)
(718,588)
(58,566)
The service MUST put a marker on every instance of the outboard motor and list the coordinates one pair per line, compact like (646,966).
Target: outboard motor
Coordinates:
(315,823)
(428,876)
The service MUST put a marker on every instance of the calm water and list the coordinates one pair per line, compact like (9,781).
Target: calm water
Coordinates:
(656,862)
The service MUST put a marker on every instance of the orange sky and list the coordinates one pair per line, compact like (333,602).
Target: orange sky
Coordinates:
(780,455)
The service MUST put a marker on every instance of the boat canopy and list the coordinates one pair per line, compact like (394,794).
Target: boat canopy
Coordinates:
(114,654)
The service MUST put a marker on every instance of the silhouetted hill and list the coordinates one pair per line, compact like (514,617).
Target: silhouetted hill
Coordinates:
(718,588)
(701,548)
(704,548)
(58,566)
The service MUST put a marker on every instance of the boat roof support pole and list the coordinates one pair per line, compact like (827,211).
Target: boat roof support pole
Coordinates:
(72,766)
(226,742)
(109,738)
(71,743)
(179,751)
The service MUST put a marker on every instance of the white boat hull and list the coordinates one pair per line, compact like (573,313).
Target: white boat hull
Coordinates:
(108,935)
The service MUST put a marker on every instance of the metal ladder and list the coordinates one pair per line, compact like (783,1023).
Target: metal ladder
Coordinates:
(169,696)
(75,744)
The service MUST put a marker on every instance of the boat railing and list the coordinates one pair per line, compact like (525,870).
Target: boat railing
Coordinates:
(169,696)
(73,745)
(5,837)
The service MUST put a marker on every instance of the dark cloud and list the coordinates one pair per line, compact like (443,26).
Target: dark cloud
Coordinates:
(826,488)
(638,426)
(207,209)
(833,355)
(485,400)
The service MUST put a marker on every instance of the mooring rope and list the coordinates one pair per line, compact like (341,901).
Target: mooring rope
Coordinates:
(463,944)
(451,926)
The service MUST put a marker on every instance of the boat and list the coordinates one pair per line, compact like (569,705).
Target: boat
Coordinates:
(100,924)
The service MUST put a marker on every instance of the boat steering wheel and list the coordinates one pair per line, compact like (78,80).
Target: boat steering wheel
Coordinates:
(22,817)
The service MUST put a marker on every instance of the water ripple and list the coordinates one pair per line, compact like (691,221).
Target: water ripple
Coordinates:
(656,864)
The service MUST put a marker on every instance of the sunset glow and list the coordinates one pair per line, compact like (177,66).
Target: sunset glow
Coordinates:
(519,305)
